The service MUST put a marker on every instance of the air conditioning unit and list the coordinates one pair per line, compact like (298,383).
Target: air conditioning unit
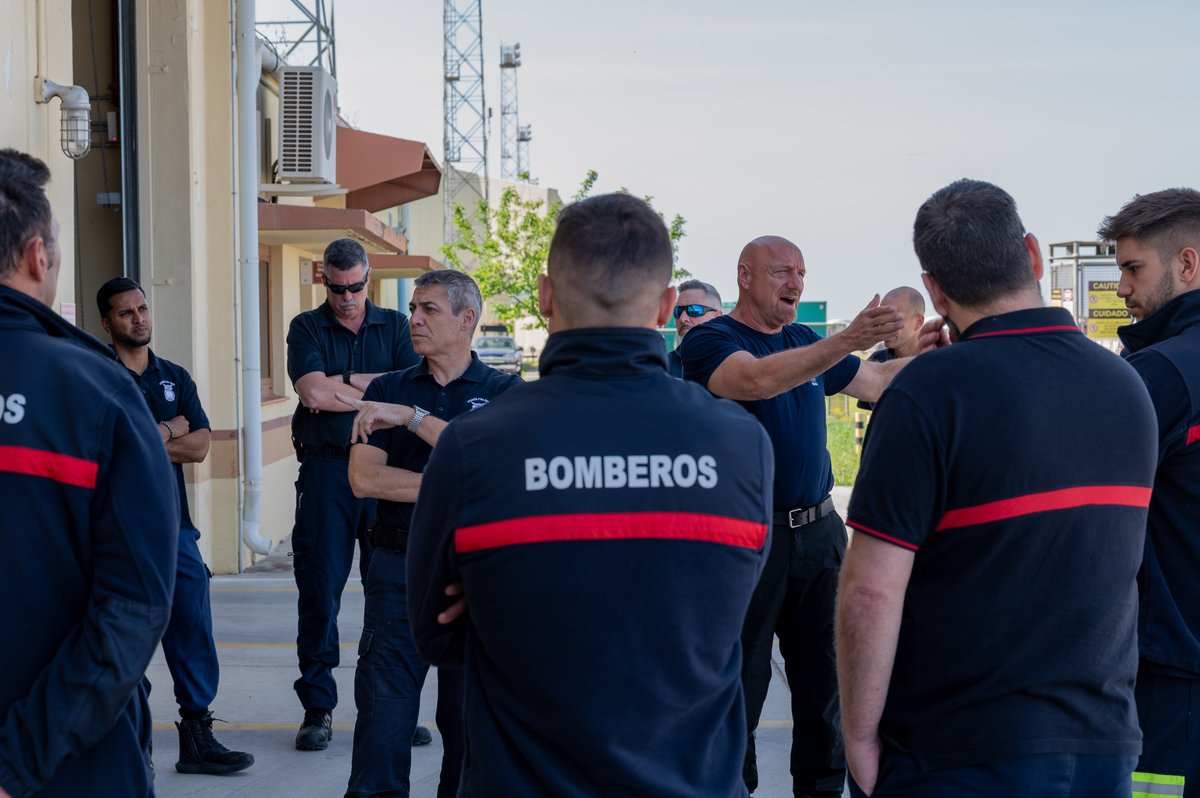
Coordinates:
(307,125)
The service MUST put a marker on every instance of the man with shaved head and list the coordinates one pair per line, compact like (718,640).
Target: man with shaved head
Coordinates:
(781,372)
(608,553)
(904,343)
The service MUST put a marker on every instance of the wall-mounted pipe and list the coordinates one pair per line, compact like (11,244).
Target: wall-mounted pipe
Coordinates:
(249,73)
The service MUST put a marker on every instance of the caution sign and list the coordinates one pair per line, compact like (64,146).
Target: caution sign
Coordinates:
(1105,311)
(1056,297)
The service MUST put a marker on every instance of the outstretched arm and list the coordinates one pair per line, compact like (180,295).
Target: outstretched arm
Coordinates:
(744,377)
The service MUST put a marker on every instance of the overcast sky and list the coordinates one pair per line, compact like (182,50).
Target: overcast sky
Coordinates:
(827,123)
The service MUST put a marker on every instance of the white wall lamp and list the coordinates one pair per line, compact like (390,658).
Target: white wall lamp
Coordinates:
(75,134)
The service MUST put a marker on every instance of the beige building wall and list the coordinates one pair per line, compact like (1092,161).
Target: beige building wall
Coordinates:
(187,232)
(35,41)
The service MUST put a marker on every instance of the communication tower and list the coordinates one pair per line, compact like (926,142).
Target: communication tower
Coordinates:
(301,30)
(510,60)
(464,110)
(524,134)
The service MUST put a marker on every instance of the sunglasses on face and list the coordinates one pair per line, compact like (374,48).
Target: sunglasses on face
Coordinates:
(353,288)
(693,310)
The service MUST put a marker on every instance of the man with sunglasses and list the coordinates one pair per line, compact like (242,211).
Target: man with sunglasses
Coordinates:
(781,372)
(337,348)
(697,303)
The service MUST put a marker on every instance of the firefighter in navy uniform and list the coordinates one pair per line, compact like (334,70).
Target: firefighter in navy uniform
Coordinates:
(188,644)
(338,347)
(1158,251)
(398,438)
(607,524)
(88,542)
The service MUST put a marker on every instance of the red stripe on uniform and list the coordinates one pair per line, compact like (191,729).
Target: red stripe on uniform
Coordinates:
(1066,498)
(1059,328)
(1193,435)
(611,526)
(58,467)
(876,534)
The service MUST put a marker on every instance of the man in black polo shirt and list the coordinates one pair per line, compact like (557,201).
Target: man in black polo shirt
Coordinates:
(338,347)
(905,343)
(781,372)
(696,303)
(987,613)
(1158,250)
(188,643)
(400,418)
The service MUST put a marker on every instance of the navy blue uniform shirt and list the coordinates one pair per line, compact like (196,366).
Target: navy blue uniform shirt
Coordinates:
(675,363)
(608,523)
(880,356)
(169,391)
(318,342)
(795,420)
(1165,351)
(416,387)
(1017,465)
(87,560)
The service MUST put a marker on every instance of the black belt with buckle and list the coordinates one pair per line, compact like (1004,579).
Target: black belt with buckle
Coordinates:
(803,516)
(388,537)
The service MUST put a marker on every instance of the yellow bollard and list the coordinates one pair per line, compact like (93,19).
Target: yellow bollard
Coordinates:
(860,423)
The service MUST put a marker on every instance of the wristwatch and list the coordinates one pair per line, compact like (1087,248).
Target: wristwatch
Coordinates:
(346,375)
(418,416)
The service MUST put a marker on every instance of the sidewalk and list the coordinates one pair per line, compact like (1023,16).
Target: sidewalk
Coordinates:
(254,617)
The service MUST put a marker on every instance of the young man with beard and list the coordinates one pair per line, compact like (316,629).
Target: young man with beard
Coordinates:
(188,644)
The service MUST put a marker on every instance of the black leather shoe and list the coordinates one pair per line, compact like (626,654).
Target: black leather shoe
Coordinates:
(316,731)
(422,736)
(199,751)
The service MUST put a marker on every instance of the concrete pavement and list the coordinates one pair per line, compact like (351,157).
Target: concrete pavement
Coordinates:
(254,617)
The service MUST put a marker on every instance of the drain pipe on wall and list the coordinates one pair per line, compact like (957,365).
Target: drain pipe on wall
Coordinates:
(249,73)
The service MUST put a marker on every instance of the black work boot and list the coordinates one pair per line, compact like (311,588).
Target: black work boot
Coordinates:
(199,751)
(316,731)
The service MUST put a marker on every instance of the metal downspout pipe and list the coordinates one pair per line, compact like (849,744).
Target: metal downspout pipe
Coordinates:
(249,73)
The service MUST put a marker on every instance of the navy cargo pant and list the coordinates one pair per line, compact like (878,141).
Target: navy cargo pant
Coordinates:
(188,643)
(1169,714)
(329,519)
(387,692)
(794,599)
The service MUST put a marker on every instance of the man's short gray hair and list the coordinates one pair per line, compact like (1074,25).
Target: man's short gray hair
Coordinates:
(709,290)
(460,289)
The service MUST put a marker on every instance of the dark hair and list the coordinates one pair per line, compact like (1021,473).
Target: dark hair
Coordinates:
(24,208)
(700,285)
(461,290)
(117,285)
(970,239)
(344,254)
(1166,220)
(610,248)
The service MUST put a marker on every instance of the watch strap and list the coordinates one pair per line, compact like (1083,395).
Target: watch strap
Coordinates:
(418,416)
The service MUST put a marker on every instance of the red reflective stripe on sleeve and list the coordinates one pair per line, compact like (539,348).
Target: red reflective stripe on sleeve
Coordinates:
(1066,498)
(904,544)
(1193,435)
(58,467)
(611,526)
(1058,328)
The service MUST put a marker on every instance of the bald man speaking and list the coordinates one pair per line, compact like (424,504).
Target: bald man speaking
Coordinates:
(781,372)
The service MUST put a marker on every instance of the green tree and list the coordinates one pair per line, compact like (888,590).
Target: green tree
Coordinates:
(505,249)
